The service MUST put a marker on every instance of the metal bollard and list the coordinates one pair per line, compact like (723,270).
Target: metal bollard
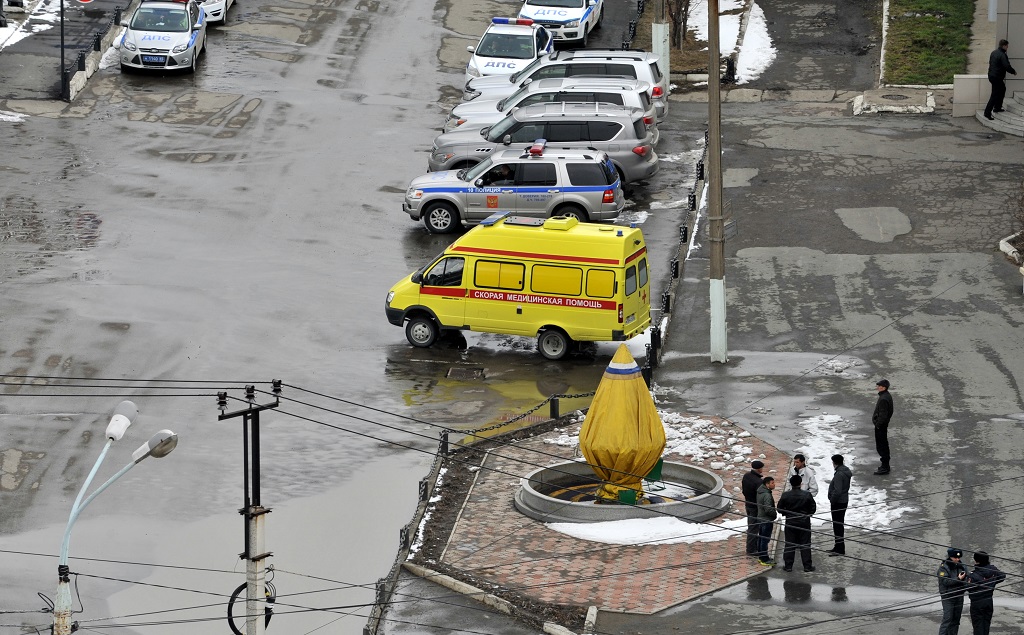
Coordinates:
(684,233)
(443,445)
(117,16)
(380,591)
(97,42)
(700,170)
(646,373)
(403,537)
(554,407)
(424,489)
(691,200)
(656,338)
(673,265)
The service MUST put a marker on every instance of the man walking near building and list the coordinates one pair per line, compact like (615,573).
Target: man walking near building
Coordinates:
(952,585)
(800,468)
(982,582)
(766,516)
(880,418)
(797,505)
(751,482)
(839,500)
(998,67)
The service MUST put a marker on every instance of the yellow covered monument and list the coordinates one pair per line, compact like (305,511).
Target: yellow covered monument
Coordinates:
(622,437)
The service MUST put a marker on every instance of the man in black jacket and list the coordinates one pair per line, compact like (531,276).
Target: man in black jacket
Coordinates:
(982,582)
(839,499)
(880,418)
(751,481)
(797,505)
(998,67)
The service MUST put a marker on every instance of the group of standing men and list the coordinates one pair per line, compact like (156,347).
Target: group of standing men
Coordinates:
(797,505)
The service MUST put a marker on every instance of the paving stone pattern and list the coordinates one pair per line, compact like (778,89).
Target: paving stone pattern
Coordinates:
(494,543)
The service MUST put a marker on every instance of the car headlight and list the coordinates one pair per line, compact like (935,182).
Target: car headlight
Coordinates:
(181,48)
(414,194)
(572,24)
(129,45)
(391,296)
(442,156)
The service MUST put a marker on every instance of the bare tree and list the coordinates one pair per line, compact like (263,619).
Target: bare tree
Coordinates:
(679,15)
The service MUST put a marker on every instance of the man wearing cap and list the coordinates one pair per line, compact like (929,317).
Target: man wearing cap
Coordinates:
(881,416)
(751,481)
(981,583)
(952,585)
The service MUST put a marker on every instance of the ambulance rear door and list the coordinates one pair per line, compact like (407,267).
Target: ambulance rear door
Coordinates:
(636,292)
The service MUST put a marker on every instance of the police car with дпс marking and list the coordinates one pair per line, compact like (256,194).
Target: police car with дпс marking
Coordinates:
(506,46)
(531,182)
(164,35)
(568,20)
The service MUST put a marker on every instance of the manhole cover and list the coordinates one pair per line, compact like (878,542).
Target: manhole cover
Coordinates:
(465,374)
(894,97)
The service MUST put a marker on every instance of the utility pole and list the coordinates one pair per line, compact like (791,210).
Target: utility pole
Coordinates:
(254,513)
(716,224)
(660,36)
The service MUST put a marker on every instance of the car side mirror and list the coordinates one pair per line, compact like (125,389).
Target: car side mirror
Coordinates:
(124,22)
(471,49)
(507,140)
(479,182)
(197,26)
(417,278)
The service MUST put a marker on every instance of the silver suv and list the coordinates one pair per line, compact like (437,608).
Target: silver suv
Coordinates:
(536,182)
(609,90)
(618,63)
(619,131)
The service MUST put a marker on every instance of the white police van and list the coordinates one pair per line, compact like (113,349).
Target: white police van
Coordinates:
(508,45)
(568,20)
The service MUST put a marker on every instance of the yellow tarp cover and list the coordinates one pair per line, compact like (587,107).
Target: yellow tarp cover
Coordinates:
(622,436)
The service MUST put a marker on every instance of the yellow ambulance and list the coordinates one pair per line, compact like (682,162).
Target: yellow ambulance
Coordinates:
(557,279)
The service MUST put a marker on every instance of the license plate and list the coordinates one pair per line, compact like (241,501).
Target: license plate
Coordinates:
(154,59)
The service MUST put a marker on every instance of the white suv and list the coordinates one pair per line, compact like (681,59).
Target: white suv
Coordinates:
(608,90)
(569,20)
(574,63)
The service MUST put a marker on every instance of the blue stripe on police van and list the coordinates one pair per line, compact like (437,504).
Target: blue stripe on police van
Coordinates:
(517,190)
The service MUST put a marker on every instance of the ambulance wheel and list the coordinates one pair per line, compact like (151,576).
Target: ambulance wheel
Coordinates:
(572,211)
(440,218)
(553,344)
(421,331)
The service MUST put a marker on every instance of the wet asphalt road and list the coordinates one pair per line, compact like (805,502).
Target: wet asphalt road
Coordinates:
(168,237)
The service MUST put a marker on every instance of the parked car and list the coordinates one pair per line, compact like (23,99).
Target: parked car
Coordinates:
(536,181)
(621,132)
(507,45)
(607,90)
(569,20)
(614,62)
(164,35)
(217,10)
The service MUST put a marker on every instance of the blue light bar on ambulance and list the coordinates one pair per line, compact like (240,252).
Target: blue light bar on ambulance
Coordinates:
(494,218)
(519,21)
(537,149)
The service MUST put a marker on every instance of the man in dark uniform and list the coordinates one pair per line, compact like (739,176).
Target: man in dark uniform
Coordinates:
(982,582)
(839,500)
(998,67)
(797,505)
(881,417)
(751,481)
(952,584)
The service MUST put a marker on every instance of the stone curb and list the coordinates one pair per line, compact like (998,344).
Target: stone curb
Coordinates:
(480,595)
(1006,248)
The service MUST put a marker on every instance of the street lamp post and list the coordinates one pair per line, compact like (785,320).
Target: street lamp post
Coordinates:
(160,445)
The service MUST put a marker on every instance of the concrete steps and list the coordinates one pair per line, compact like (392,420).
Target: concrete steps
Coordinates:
(1011,120)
